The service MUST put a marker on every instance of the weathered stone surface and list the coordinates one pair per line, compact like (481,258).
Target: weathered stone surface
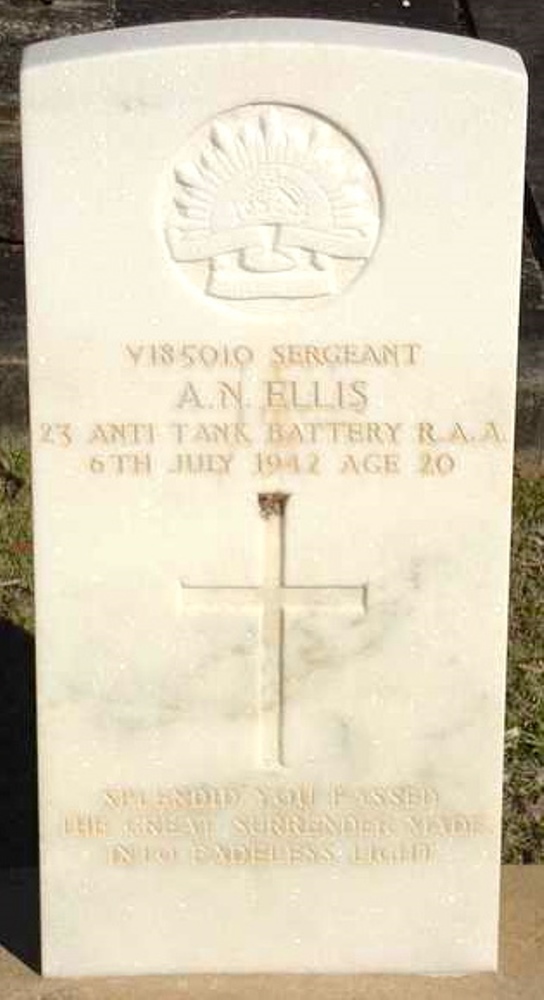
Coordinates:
(296,504)
(26,21)
(521,975)
(13,376)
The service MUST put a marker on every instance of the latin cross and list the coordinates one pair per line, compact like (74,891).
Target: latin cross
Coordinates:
(272,597)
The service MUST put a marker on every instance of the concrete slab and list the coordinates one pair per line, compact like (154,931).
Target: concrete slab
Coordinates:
(521,976)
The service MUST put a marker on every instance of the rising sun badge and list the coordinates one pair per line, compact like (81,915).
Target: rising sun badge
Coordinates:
(272,202)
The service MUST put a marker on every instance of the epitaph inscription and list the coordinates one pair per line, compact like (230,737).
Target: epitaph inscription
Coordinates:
(276,825)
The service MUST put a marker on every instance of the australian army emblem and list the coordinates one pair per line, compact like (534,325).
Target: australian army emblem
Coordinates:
(272,202)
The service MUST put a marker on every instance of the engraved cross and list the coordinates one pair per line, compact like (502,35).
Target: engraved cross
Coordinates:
(272,597)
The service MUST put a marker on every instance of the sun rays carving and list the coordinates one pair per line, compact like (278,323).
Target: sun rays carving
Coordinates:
(273,199)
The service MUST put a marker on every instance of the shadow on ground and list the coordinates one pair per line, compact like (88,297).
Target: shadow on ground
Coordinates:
(19,895)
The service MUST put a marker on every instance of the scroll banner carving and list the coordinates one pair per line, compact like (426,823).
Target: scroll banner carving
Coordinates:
(346,246)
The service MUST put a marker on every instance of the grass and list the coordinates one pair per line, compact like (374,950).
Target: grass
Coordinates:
(523,828)
(16,581)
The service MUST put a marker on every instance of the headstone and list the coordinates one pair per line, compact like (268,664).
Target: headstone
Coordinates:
(273,282)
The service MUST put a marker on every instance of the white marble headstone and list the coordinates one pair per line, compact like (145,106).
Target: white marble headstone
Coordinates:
(273,278)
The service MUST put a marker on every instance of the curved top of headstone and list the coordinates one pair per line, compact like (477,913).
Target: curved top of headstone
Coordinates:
(405,41)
